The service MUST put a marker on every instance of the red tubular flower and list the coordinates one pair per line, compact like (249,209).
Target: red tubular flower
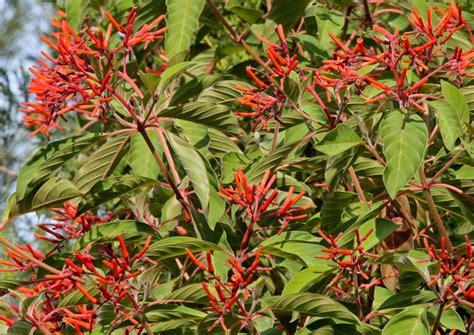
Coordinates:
(69,83)
(454,271)
(195,260)
(258,201)
(268,100)
(233,293)
(349,262)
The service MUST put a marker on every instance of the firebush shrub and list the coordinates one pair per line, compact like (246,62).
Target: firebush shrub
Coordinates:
(256,167)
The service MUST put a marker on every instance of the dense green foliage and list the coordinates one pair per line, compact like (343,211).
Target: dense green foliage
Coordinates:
(254,167)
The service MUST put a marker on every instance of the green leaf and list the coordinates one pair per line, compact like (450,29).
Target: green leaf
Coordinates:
(111,188)
(193,293)
(449,318)
(382,228)
(46,161)
(10,284)
(20,327)
(411,321)
(141,159)
(452,114)
(312,46)
(101,163)
(220,143)
(310,304)
(230,164)
(224,91)
(74,13)
(160,313)
(194,167)
(51,194)
(329,21)
(109,231)
(228,319)
(305,278)
(448,122)
(173,73)
(77,297)
(182,19)
(404,140)
(300,246)
(196,134)
(408,298)
(287,12)
(208,114)
(336,167)
(180,323)
(175,246)
(270,161)
(333,206)
(248,14)
(338,140)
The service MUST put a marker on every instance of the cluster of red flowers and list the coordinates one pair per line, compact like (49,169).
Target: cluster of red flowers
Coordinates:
(69,224)
(258,202)
(418,52)
(454,275)
(113,281)
(72,82)
(352,263)
(235,291)
(268,100)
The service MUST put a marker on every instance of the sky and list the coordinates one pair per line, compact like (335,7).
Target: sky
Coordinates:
(22,22)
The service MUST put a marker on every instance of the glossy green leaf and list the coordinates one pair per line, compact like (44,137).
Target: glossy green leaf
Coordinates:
(224,91)
(101,163)
(182,19)
(51,194)
(270,161)
(449,318)
(408,298)
(173,74)
(404,140)
(194,167)
(45,162)
(75,14)
(220,143)
(338,140)
(77,297)
(141,160)
(111,188)
(10,284)
(310,304)
(248,14)
(109,231)
(329,21)
(333,206)
(21,327)
(411,321)
(193,293)
(305,278)
(287,12)
(176,246)
(452,114)
(208,114)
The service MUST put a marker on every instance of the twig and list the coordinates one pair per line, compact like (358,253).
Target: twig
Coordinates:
(355,181)
(447,165)
(236,38)
(368,17)
(167,176)
(434,212)
(438,319)
(8,171)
